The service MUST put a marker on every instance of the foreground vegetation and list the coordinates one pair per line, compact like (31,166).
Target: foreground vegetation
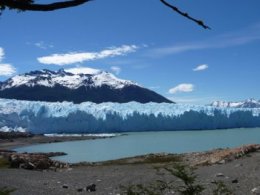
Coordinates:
(6,191)
(4,163)
(189,184)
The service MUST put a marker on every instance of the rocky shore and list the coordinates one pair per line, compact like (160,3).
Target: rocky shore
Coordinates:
(10,140)
(32,161)
(14,135)
(232,170)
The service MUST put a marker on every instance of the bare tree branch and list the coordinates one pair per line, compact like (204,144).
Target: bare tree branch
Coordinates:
(30,6)
(186,15)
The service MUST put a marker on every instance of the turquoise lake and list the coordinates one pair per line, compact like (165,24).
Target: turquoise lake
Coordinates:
(139,143)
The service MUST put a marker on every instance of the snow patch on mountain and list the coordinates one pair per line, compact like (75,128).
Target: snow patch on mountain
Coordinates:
(70,78)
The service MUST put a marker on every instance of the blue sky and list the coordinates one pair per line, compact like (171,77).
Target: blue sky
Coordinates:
(146,42)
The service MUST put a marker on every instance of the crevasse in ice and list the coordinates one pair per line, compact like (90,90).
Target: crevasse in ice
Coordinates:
(88,117)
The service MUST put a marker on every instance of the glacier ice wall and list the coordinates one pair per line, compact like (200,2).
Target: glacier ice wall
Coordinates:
(88,117)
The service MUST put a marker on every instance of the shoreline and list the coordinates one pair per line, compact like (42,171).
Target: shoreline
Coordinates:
(237,168)
(208,157)
(12,143)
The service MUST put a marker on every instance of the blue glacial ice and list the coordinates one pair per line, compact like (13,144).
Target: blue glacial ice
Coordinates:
(66,117)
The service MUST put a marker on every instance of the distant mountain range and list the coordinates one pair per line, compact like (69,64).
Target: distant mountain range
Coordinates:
(249,103)
(70,85)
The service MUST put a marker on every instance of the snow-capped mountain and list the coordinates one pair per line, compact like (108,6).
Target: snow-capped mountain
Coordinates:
(69,79)
(249,103)
(76,85)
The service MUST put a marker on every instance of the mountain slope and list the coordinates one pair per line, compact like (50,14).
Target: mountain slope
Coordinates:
(249,103)
(90,85)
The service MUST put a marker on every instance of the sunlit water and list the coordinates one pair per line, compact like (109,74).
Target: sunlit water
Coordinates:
(140,143)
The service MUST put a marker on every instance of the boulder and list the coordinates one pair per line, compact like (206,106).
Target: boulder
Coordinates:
(256,190)
(91,188)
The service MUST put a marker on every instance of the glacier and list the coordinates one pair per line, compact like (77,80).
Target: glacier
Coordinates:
(65,117)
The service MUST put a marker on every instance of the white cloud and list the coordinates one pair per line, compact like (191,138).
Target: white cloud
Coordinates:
(7,70)
(43,45)
(201,67)
(83,70)
(115,69)
(79,57)
(184,87)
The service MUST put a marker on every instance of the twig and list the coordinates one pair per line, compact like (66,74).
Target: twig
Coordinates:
(186,15)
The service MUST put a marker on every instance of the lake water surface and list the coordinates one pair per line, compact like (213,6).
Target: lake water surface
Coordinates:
(139,143)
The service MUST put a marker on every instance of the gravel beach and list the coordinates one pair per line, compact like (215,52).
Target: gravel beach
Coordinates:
(238,168)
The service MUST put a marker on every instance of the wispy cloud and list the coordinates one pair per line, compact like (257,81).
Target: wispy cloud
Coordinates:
(154,87)
(79,57)
(184,87)
(5,69)
(193,100)
(164,51)
(238,38)
(185,100)
(201,67)
(2,53)
(116,69)
(43,45)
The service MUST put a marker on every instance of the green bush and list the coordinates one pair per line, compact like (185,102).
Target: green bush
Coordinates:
(6,191)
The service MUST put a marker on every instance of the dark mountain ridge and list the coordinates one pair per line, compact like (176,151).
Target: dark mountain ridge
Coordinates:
(92,85)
